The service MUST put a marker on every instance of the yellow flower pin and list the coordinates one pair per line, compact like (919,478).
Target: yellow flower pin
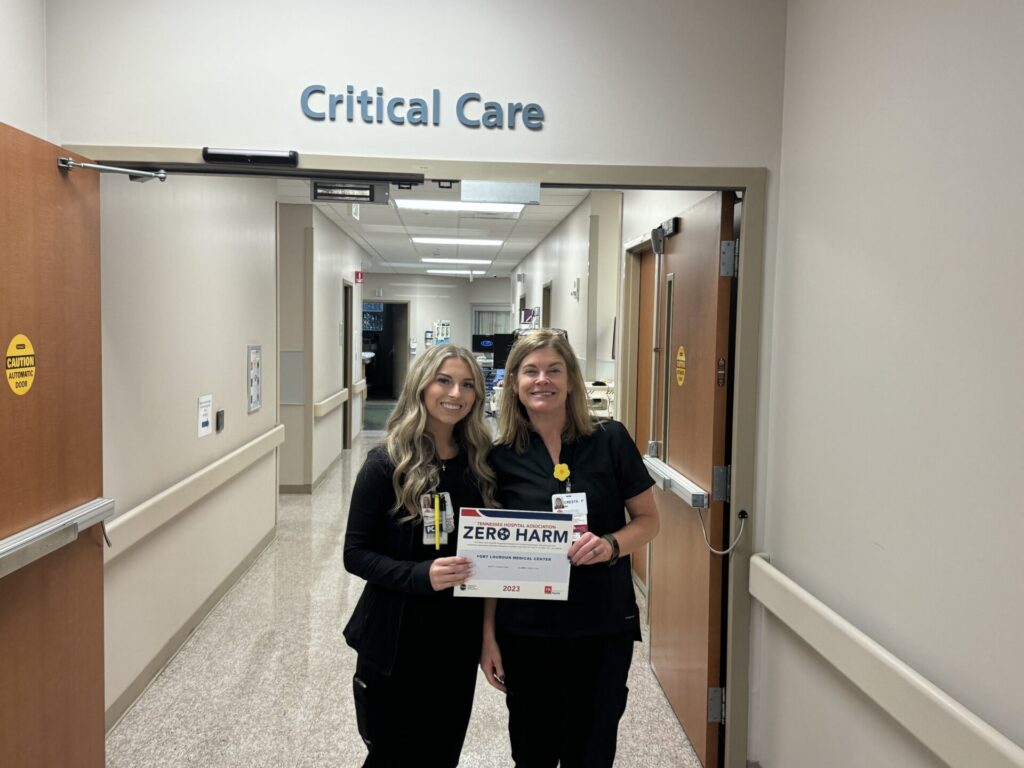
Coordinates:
(561,472)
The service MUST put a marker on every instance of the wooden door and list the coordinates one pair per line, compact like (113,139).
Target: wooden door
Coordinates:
(687,609)
(51,610)
(644,360)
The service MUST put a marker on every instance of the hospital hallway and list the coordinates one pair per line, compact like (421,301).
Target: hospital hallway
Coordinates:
(266,678)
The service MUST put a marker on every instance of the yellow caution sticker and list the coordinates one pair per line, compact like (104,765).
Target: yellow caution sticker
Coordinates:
(681,365)
(20,365)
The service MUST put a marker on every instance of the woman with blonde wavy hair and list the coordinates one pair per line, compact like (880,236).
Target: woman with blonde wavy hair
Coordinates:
(563,664)
(418,644)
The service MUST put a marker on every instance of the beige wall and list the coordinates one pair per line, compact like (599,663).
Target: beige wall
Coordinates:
(559,259)
(492,290)
(336,258)
(704,87)
(895,414)
(316,259)
(188,282)
(23,63)
(644,209)
(585,246)
(604,280)
(295,243)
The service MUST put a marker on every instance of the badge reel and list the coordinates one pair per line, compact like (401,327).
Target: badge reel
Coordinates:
(576,505)
(445,515)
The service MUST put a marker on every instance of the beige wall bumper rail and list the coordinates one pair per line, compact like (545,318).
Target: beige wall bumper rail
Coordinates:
(943,725)
(328,404)
(132,526)
(33,543)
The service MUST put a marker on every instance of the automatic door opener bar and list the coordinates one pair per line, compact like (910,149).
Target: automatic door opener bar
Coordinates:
(67,164)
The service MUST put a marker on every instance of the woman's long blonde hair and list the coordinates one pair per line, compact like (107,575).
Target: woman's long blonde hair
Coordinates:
(513,420)
(411,447)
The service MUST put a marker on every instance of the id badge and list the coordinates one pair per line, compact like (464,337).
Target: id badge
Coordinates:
(576,504)
(445,516)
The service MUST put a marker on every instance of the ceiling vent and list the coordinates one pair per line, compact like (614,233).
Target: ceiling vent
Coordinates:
(364,192)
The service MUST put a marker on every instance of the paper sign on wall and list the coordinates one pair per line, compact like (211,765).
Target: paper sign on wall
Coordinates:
(205,415)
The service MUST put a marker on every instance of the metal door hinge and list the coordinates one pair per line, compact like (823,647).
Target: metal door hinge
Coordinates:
(721,483)
(716,705)
(729,264)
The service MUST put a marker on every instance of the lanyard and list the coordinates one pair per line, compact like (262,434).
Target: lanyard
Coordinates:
(437,521)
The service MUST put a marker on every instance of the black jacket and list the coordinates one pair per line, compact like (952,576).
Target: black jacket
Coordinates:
(391,556)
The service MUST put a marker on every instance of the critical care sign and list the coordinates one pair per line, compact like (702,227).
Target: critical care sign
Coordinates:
(375,106)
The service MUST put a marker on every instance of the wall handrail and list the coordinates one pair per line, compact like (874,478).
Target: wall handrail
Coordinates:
(941,723)
(140,521)
(27,546)
(322,407)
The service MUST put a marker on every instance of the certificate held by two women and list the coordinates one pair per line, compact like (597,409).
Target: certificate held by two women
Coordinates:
(515,553)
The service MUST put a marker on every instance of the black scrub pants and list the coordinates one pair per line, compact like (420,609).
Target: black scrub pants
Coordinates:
(418,715)
(565,698)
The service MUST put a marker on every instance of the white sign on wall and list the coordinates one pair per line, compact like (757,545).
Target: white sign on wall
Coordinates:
(205,415)
(255,378)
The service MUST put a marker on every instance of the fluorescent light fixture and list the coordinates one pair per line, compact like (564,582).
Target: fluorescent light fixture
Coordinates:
(454,206)
(454,241)
(456,261)
(456,272)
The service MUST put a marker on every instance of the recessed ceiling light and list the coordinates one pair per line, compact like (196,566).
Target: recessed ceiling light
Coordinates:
(456,261)
(454,241)
(456,206)
(456,272)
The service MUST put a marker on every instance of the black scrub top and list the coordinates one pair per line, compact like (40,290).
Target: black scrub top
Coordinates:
(398,604)
(607,466)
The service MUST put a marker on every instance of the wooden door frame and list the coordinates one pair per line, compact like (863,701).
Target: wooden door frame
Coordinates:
(744,406)
(753,183)
(348,317)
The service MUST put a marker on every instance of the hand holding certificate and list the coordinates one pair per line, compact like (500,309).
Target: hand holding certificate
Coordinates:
(515,553)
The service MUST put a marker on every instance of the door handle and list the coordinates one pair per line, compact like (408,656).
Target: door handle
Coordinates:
(661,480)
(675,482)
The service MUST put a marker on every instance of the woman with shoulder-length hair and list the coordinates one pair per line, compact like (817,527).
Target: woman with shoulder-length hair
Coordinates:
(563,665)
(419,645)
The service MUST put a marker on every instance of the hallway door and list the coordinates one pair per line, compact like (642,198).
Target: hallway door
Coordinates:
(51,609)
(686,602)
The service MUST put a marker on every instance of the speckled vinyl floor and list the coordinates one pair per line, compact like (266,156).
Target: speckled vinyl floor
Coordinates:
(265,680)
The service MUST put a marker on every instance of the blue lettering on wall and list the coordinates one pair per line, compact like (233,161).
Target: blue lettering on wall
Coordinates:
(393,116)
(460,109)
(377,107)
(306,109)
